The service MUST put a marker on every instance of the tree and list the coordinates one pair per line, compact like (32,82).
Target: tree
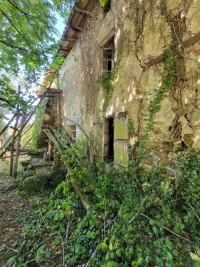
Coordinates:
(28,40)
(28,45)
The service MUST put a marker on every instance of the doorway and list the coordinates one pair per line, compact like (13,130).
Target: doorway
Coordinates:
(109,138)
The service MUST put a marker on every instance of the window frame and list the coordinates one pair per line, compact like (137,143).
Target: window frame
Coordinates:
(108,56)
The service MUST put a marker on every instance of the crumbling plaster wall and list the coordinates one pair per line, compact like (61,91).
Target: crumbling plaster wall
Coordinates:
(143,30)
(71,79)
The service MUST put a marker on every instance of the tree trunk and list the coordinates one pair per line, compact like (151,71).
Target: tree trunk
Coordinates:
(12,146)
(18,145)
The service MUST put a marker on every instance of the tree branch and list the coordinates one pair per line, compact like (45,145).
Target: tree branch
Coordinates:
(3,13)
(18,48)
(16,7)
(5,100)
(26,15)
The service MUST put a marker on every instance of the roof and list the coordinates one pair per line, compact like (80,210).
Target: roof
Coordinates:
(73,28)
(75,24)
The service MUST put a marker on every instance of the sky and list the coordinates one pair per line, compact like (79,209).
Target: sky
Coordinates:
(60,25)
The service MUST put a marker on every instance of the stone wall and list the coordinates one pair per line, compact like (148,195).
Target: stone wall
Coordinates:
(143,31)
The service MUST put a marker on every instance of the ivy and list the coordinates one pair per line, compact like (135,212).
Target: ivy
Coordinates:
(168,76)
(136,218)
(108,83)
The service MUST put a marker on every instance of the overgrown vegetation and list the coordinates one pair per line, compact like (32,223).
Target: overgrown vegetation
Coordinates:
(133,219)
(100,215)
(104,216)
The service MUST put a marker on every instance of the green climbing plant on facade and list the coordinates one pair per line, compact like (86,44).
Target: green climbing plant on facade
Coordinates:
(168,77)
(108,83)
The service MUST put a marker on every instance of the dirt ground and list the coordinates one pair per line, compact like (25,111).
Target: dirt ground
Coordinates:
(12,209)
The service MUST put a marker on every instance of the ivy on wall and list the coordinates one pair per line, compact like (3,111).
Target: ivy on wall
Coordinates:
(108,82)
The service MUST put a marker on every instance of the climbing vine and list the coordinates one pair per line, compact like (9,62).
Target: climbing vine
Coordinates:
(168,75)
(108,82)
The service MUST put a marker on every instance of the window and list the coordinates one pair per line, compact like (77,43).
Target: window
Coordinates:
(121,139)
(72,132)
(108,56)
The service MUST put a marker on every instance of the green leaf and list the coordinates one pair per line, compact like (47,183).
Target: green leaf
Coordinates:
(169,244)
(139,261)
(35,2)
(118,252)
(110,264)
(103,246)
(155,229)
(195,257)
(90,234)
(152,222)
(175,252)
(11,261)
(102,2)
(40,253)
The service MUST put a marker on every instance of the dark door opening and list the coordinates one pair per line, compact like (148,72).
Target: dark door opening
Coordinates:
(111,138)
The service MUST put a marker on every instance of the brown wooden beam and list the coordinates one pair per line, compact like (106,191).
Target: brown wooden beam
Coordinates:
(65,49)
(83,12)
(75,28)
(190,41)
(68,39)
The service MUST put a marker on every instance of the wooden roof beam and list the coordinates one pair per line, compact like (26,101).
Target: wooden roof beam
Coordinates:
(76,29)
(68,39)
(83,12)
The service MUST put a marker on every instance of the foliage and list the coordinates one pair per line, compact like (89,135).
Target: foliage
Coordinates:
(4,171)
(37,125)
(29,51)
(168,76)
(32,184)
(103,2)
(108,82)
(27,55)
(146,219)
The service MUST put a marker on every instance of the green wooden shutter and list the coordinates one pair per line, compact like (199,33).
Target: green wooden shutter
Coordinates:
(121,140)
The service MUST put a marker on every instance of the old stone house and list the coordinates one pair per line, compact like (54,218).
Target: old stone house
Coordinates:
(130,62)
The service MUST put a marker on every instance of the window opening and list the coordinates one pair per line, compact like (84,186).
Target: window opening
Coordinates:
(73,132)
(107,6)
(108,56)
(111,139)
(71,129)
